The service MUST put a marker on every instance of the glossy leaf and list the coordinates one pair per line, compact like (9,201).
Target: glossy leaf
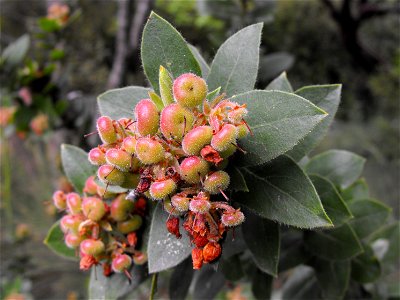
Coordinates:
(279,120)
(235,66)
(162,45)
(165,250)
(208,284)
(358,190)
(326,97)
(280,83)
(339,243)
(369,216)
(365,267)
(262,239)
(334,205)
(181,279)
(76,166)
(16,51)
(281,191)
(205,69)
(120,103)
(55,241)
(339,166)
(261,285)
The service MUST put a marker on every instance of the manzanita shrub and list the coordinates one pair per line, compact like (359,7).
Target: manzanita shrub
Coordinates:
(205,175)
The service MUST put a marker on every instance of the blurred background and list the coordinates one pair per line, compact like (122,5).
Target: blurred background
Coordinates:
(57,56)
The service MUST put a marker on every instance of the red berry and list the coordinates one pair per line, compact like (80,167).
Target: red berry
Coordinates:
(189,90)
(197,258)
(176,121)
(211,251)
(106,130)
(193,168)
(196,139)
(149,151)
(173,226)
(147,119)
(121,263)
(161,189)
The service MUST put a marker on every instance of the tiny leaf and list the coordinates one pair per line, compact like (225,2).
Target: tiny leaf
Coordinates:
(156,100)
(165,86)
(365,267)
(211,95)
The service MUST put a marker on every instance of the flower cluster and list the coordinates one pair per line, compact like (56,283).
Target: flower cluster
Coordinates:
(103,226)
(176,153)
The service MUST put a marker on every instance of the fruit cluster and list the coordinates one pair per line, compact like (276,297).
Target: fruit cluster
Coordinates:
(103,226)
(176,153)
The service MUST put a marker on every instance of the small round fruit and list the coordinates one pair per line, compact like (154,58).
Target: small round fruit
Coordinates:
(211,251)
(105,194)
(120,208)
(149,151)
(180,202)
(232,219)
(224,138)
(106,130)
(110,175)
(121,263)
(90,186)
(140,258)
(72,241)
(242,130)
(189,90)
(193,168)
(129,144)
(147,118)
(97,157)
(74,203)
(176,121)
(216,182)
(119,159)
(199,205)
(70,223)
(169,208)
(161,189)
(60,200)
(93,208)
(130,225)
(196,139)
(92,247)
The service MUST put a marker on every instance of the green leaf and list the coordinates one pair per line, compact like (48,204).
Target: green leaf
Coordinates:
(334,205)
(280,83)
(156,100)
(333,277)
(49,25)
(326,97)
(181,279)
(274,63)
(237,181)
(116,285)
(231,268)
(205,69)
(339,243)
(358,190)
(365,267)
(369,216)
(302,284)
(120,103)
(262,239)
(76,166)
(279,120)
(165,84)
(235,66)
(292,252)
(165,250)
(55,241)
(16,51)
(281,191)
(233,244)
(208,284)
(162,45)
(339,166)
(211,95)
(261,285)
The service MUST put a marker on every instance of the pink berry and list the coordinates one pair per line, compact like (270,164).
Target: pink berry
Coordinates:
(196,139)
(129,144)
(193,168)
(110,175)
(180,202)
(161,189)
(97,157)
(74,203)
(121,263)
(189,90)
(93,208)
(92,247)
(60,200)
(224,138)
(216,182)
(106,130)
(147,118)
(169,208)
(120,208)
(70,223)
(72,241)
(176,121)
(199,205)
(233,218)
(90,186)
(149,151)
(132,224)
(119,159)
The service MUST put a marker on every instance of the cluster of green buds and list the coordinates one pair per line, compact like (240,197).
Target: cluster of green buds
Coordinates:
(103,227)
(175,151)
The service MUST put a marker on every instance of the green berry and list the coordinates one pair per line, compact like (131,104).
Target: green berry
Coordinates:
(121,262)
(180,202)
(161,189)
(216,182)
(131,180)
(97,157)
(149,151)
(233,218)
(189,90)
(176,121)
(110,175)
(70,223)
(129,144)
(169,208)
(120,208)
(119,159)
(193,168)
(72,241)
(130,225)
(147,118)
(92,247)
(196,139)
(106,130)
(93,208)
(224,138)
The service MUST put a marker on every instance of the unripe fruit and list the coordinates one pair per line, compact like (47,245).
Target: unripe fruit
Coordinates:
(140,258)
(242,131)
(196,139)
(193,168)
(224,138)
(97,157)
(199,205)
(130,225)
(70,223)
(229,151)
(93,208)
(60,200)
(121,263)
(72,241)
(106,130)
(74,203)
(92,247)
(216,182)
(104,193)
(119,159)
(211,251)
(161,189)
(176,121)
(110,175)
(189,90)
(169,208)
(90,186)
(233,218)
(149,151)
(131,181)
(180,202)
(147,118)
(120,208)
(129,144)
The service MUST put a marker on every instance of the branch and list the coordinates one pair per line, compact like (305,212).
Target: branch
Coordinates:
(332,8)
(141,12)
(368,11)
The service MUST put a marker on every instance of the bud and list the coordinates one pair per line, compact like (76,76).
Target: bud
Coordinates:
(120,208)
(147,118)
(92,247)
(60,200)
(189,90)
(211,251)
(110,175)
(121,263)
(173,226)
(132,239)
(196,139)
(216,182)
(149,151)
(119,159)
(176,121)
(161,189)
(106,130)
(224,138)
(232,219)
(74,203)
(90,186)
(180,202)
(193,168)
(97,157)
(72,241)
(130,225)
(93,208)
(197,258)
